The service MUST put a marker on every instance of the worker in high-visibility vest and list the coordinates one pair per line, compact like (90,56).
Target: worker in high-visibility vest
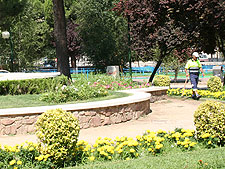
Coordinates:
(194,66)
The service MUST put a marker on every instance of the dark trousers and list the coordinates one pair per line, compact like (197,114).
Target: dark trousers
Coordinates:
(194,80)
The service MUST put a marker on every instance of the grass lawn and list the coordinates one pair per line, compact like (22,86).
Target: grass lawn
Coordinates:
(204,158)
(28,100)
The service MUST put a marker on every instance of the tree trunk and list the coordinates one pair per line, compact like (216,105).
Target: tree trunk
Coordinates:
(176,74)
(60,38)
(162,55)
(221,47)
(73,61)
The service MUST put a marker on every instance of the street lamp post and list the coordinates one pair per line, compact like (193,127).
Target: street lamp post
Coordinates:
(6,35)
(129,45)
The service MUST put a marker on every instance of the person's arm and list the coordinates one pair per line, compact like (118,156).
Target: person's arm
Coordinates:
(200,67)
(202,71)
(186,69)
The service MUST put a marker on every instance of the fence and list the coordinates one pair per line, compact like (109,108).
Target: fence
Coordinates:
(136,71)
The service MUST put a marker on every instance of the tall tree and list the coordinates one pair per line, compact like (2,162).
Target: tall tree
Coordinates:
(60,37)
(73,42)
(31,37)
(104,34)
(151,27)
(173,24)
(208,20)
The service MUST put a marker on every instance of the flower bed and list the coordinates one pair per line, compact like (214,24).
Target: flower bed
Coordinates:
(28,155)
(204,93)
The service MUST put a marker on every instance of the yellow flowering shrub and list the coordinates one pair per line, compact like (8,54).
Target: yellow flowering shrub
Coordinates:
(214,84)
(122,148)
(161,80)
(57,133)
(209,120)
(182,138)
(204,93)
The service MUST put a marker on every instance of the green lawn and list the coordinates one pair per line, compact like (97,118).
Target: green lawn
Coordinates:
(205,158)
(28,100)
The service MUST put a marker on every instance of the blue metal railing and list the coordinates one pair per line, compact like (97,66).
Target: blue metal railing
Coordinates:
(139,70)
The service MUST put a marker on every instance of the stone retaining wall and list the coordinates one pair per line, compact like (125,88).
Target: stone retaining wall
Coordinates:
(113,112)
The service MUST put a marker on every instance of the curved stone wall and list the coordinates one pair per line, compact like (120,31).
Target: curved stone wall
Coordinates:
(92,114)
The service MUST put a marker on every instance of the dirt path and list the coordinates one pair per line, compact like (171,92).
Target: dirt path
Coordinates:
(166,115)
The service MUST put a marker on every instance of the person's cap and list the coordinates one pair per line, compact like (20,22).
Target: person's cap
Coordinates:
(195,54)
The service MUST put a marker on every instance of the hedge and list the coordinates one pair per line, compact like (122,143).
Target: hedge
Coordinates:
(31,86)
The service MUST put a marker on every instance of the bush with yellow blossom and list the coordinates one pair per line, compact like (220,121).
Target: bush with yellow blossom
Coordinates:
(220,95)
(151,143)
(210,118)
(57,132)
(23,156)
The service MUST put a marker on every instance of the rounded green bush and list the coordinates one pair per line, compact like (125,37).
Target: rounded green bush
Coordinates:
(161,80)
(214,84)
(57,132)
(210,118)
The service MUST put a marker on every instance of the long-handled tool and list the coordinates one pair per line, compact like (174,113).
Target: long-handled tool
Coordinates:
(185,83)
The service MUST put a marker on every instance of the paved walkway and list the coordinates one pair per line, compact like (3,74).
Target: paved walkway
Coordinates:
(166,114)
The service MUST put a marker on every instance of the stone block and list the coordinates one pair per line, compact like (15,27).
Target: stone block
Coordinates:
(123,118)
(106,111)
(13,129)
(81,113)
(116,118)
(106,121)
(29,121)
(90,113)
(19,118)
(129,116)
(7,130)
(22,130)
(7,121)
(18,124)
(95,121)
(84,119)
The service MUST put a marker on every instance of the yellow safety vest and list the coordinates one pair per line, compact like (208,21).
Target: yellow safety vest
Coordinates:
(193,66)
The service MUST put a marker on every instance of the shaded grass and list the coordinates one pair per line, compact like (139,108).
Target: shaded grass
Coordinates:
(29,100)
(211,158)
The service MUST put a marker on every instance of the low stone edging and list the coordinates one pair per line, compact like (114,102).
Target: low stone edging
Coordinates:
(92,114)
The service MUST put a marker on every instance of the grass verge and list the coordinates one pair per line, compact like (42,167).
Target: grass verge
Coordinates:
(28,100)
(204,158)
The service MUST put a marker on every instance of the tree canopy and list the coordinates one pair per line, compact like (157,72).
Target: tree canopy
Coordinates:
(9,8)
(169,25)
(104,34)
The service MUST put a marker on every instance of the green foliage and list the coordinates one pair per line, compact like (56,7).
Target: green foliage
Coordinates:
(214,84)
(84,88)
(58,131)
(21,156)
(209,118)
(72,93)
(48,11)
(155,145)
(31,36)
(31,86)
(106,41)
(161,80)
(10,8)
(203,93)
